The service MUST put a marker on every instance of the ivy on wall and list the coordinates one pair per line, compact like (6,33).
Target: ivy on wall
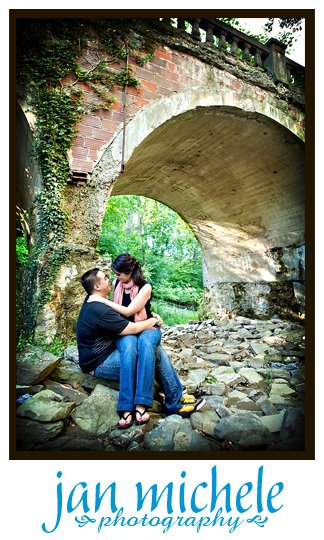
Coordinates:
(49,50)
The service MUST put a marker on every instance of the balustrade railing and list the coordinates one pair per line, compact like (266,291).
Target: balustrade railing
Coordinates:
(270,56)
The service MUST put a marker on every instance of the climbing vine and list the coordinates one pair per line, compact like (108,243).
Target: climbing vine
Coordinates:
(52,58)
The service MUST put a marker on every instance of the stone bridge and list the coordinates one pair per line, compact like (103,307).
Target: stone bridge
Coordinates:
(215,131)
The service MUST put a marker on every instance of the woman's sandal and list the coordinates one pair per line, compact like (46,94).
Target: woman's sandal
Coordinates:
(141,421)
(128,424)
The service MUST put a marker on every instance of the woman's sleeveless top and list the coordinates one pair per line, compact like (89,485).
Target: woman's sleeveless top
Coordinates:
(127,300)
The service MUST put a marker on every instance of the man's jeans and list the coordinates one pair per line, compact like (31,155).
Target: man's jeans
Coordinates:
(137,366)
(165,375)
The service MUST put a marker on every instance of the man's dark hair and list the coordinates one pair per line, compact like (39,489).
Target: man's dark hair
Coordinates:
(89,279)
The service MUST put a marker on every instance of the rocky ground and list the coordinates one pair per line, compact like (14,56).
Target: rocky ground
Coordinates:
(250,372)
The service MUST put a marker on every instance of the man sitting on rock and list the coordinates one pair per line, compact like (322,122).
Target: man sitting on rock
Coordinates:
(99,326)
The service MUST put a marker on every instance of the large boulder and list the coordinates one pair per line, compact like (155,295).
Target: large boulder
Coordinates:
(33,365)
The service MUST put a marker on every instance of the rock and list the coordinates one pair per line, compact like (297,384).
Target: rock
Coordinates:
(266,406)
(46,406)
(247,404)
(293,425)
(212,402)
(259,395)
(217,388)
(30,433)
(73,444)
(281,389)
(174,434)
(68,371)
(195,378)
(23,389)
(204,421)
(33,365)
(245,429)
(259,348)
(226,375)
(251,375)
(68,393)
(223,411)
(71,354)
(123,438)
(273,422)
(98,412)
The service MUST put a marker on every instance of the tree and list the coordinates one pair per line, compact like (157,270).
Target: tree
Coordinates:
(287,34)
(161,240)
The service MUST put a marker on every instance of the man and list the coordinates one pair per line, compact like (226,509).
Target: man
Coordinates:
(99,326)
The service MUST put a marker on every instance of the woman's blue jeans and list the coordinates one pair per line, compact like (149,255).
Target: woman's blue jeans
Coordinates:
(137,368)
(165,375)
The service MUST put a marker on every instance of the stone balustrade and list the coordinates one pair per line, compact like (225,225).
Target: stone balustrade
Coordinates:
(270,56)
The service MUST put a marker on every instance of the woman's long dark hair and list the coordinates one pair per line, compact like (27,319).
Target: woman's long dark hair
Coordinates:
(127,264)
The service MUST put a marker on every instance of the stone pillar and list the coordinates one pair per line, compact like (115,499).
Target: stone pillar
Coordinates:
(256,284)
(276,60)
(195,30)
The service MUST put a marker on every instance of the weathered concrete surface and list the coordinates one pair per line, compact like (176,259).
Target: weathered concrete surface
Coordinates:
(237,179)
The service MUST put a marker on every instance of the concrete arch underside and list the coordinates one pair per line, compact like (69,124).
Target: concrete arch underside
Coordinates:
(237,178)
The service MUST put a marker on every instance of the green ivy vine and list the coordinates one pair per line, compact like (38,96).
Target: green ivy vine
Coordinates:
(49,50)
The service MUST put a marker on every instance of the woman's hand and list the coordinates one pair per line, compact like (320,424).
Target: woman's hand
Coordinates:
(159,320)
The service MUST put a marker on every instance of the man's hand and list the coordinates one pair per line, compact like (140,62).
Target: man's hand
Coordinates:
(159,320)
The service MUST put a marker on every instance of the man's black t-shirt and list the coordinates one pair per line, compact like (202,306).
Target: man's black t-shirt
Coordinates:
(97,328)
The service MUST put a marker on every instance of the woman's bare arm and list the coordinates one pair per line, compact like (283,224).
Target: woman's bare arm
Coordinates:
(138,327)
(136,305)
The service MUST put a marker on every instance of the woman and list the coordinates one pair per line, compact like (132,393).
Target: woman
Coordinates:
(132,294)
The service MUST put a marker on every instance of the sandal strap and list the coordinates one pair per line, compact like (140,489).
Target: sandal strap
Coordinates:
(127,415)
(141,413)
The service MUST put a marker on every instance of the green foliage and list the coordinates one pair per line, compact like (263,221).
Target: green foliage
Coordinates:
(203,311)
(49,50)
(161,240)
(22,256)
(172,314)
(21,253)
(55,347)
(268,378)
(288,30)
(210,379)
(125,77)
(263,38)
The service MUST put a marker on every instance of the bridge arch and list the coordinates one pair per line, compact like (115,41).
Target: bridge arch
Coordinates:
(234,172)
(233,169)
(245,97)
(218,140)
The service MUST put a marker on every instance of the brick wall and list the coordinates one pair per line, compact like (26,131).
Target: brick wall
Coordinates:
(168,72)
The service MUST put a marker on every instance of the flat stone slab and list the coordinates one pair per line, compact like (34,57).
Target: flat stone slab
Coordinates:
(33,365)
(46,406)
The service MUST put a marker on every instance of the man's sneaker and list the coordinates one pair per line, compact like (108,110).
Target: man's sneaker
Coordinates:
(190,408)
(188,399)
(185,397)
